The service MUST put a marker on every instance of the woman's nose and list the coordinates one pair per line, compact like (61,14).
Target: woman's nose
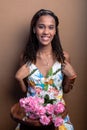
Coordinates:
(46,31)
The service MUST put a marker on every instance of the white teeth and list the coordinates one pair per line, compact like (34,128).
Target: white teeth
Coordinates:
(45,37)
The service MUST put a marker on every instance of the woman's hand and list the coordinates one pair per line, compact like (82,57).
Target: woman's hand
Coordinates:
(69,76)
(68,70)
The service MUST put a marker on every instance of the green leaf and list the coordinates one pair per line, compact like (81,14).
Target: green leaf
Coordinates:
(48,100)
(45,87)
(50,72)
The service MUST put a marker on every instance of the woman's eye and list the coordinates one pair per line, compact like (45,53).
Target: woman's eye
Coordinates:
(51,27)
(41,26)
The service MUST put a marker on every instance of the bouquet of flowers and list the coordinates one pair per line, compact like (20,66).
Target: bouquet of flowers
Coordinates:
(43,109)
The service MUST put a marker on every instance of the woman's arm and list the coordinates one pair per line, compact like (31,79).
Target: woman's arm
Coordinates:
(69,74)
(21,74)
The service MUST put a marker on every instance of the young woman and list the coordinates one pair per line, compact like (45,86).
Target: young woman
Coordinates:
(45,66)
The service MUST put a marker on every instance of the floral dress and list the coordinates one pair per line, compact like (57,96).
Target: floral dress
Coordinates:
(51,84)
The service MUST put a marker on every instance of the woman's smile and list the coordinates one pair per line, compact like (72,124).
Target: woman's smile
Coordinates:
(45,37)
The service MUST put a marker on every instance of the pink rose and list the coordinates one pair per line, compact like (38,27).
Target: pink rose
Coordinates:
(59,108)
(22,102)
(40,111)
(49,109)
(44,120)
(58,121)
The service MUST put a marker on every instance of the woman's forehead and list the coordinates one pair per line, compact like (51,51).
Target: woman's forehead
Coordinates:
(46,19)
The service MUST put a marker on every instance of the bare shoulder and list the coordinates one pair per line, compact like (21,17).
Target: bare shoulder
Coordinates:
(66,55)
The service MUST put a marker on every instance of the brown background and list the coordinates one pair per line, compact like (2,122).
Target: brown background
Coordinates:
(15,16)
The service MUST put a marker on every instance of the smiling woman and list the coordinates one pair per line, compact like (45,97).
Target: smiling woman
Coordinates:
(45,29)
(46,69)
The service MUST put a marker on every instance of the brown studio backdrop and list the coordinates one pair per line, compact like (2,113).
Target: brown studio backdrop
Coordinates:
(15,17)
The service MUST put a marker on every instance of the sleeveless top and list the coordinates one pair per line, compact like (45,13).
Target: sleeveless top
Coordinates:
(51,84)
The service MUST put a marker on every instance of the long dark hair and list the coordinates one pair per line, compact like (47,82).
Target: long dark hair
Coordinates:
(32,43)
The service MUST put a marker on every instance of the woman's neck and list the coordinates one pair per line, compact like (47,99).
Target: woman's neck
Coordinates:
(46,50)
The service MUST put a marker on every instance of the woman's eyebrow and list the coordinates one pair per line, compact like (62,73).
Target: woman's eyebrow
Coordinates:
(48,25)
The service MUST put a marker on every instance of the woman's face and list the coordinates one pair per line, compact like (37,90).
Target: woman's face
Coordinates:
(45,29)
